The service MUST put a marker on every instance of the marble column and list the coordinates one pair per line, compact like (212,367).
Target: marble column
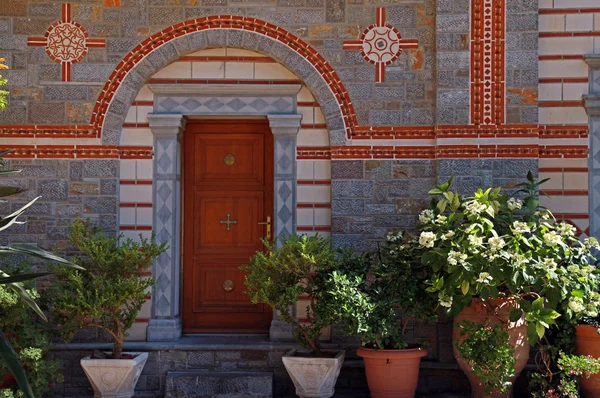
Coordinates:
(285,129)
(592,105)
(165,324)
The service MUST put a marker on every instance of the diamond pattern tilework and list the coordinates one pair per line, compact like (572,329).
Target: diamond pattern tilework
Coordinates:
(595,81)
(224,104)
(285,216)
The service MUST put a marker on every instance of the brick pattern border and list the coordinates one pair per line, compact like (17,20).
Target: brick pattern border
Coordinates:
(488,31)
(299,46)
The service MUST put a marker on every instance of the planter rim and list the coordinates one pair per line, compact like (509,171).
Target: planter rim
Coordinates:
(138,356)
(290,354)
(409,352)
(587,330)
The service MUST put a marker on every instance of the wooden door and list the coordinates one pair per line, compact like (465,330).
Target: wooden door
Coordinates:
(228,191)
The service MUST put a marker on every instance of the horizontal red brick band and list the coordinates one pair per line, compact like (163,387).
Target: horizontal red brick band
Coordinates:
(563,170)
(314,182)
(134,204)
(324,228)
(313,205)
(552,104)
(551,192)
(543,11)
(135,227)
(559,57)
(222,81)
(564,80)
(78,151)
(135,182)
(568,34)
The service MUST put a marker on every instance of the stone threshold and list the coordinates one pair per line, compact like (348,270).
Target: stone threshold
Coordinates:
(227,343)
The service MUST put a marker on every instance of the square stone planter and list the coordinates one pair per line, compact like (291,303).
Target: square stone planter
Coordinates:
(114,378)
(314,377)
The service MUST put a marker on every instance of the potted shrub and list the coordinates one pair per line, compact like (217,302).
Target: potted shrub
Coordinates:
(108,296)
(587,343)
(504,261)
(377,296)
(279,277)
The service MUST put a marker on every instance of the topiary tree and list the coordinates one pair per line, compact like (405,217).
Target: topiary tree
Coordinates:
(112,291)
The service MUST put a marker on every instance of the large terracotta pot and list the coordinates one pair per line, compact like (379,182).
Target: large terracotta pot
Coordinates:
(587,342)
(392,373)
(496,311)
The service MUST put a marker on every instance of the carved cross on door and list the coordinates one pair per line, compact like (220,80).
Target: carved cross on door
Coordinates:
(228,222)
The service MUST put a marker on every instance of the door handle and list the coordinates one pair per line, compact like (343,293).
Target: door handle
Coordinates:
(268,224)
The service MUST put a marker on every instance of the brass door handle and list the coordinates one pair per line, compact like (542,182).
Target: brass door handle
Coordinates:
(268,224)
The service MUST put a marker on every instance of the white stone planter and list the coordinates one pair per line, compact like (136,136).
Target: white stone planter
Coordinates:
(114,378)
(314,377)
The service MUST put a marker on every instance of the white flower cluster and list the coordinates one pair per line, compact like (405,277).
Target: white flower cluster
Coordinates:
(426,216)
(496,244)
(427,239)
(514,204)
(565,229)
(455,258)
(393,236)
(448,235)
(577,305)
(475,240)
(552,238)
(485,278)
(549,264)
(475,207)
(591,243)
(441,219)
(445,301)
(521,227)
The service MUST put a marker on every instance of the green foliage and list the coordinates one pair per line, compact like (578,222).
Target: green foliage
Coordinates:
(110,294)
(30,339)
(486,348)
(283,273)
(3,82)
(379,293)
(490,246)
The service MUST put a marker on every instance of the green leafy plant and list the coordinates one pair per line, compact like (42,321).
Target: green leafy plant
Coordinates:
(379,293)
(3,82)
(487,349)
(112,291)
(489,246)
(282,274)
(29,338)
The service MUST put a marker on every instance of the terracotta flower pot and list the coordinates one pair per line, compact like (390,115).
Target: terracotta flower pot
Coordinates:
(392,373)
(7,381)
(496,311)
(587,342)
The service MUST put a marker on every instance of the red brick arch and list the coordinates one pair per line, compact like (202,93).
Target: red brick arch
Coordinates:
(296,44)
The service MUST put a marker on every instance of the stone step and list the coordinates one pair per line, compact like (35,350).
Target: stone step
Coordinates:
(205,384)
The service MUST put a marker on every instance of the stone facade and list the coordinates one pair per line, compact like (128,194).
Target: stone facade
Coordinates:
(365,122)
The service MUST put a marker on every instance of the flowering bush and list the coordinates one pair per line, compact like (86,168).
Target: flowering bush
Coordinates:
(489,246)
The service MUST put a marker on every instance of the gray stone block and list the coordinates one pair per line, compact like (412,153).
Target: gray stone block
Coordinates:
(347,207)
(53,189)
(521,59)
(344,169)
(453,60)
(378,169)
(385,117)
(308,16)
(344,188)
(201,358)
(335,10)
(219,384)
(91,72)
(100,205)
(453,97)
(355,241)
(13,42)
(380,209)
(452,23)
(100,168)
(165,15)
(73,93)
(46,112)
(401,16)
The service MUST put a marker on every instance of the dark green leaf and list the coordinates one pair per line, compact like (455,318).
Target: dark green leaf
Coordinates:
(515,315)
(22,277)
(10,359)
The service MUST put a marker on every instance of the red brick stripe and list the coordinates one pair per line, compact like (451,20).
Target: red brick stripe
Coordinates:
(568,10)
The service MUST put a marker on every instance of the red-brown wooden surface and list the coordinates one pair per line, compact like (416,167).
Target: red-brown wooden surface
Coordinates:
(212,254)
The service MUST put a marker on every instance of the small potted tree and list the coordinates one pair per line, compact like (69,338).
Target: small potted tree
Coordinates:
(377,295)
(108,296)
(279,277)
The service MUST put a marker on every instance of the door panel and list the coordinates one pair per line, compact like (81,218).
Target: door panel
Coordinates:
(228,190)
